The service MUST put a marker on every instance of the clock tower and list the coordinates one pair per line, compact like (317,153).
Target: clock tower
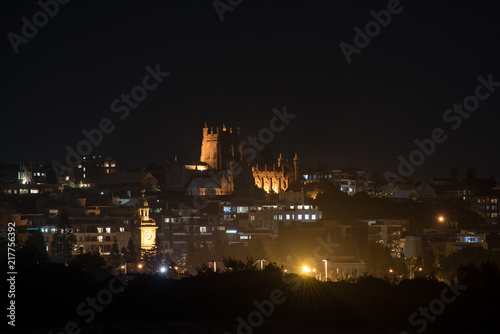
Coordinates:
(148,226)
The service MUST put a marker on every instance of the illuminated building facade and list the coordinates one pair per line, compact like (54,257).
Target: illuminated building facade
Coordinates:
(278,177)
(31,173)
(220,146)
(147,225)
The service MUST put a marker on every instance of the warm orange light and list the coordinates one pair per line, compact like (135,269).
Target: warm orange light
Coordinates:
(140,266)
(306,269)
(441,219)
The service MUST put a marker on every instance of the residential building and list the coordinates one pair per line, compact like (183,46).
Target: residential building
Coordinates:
(488,207)
(31,173)
(92,168)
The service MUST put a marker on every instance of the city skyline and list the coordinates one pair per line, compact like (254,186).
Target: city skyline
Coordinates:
(225,71)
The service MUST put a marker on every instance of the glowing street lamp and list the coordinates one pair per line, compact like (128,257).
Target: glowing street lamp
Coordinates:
(326,269)
(441,219)
(306,269)
(163,269)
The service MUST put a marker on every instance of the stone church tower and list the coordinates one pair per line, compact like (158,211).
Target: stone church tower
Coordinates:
(221,146)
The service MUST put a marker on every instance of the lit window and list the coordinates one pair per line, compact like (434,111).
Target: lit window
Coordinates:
(299,217)
(99,238)
(287,217)
(122,229)
(203,229)
(275,217)
(280,217)
(108,229)
(99,230)
(313,217)
(306,217)
(84,169)
(242,209)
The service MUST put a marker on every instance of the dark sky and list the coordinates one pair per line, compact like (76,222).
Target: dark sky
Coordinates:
(265,54)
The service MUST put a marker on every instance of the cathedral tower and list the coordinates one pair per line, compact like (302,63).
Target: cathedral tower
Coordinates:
(220,145)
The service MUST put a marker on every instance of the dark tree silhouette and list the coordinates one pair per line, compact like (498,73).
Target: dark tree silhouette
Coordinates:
(115,257)
(93,264)
(34,250)
(63,241)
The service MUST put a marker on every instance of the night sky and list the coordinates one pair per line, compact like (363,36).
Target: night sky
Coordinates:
(264,55)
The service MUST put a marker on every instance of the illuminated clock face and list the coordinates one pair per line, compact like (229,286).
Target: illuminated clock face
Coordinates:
(148,235)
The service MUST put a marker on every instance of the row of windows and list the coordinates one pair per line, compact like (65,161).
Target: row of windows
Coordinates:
(492,200)
(109,229)
(487,207)
(292,217)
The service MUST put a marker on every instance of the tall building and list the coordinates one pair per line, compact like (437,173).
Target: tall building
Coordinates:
(221,146)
